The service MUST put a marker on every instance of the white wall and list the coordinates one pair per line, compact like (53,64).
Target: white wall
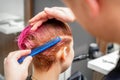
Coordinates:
(15,7)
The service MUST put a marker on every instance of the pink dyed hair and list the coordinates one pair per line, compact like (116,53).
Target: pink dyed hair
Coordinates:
(47,31)
(22,37)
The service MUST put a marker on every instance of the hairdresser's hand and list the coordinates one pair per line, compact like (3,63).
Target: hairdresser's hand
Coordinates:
(13,70)
(60,13)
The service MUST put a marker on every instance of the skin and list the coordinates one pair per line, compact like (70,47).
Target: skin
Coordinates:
(99,17)
(13,70)
(60,13)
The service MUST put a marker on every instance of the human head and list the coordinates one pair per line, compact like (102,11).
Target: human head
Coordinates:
(62,52)
(99,17)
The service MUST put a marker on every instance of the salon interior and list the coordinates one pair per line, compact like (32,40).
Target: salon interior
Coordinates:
(93,59)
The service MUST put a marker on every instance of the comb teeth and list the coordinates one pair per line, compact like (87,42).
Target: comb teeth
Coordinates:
(41,48)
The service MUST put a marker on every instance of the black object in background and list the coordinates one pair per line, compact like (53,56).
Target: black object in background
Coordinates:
(77,76)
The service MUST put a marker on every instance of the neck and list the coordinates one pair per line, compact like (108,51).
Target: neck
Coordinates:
(51,74)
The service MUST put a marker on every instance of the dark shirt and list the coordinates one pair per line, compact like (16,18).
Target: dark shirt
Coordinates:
(115,73)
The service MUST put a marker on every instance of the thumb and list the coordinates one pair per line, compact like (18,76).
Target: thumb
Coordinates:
(27,62)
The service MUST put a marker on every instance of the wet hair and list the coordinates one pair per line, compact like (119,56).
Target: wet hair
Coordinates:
(48,30)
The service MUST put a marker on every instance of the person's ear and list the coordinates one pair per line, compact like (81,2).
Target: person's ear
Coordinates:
(94,7)
(64,54)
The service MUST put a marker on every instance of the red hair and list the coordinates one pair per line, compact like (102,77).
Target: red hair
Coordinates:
(47,31)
